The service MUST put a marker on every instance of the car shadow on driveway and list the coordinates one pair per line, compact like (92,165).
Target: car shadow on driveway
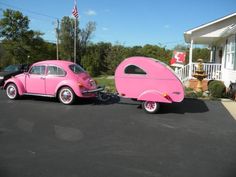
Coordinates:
(188,105)
(113,98)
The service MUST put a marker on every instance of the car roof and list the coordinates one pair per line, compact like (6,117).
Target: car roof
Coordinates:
(54,62)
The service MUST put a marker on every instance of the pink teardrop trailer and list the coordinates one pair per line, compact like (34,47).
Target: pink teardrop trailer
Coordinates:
(148,80)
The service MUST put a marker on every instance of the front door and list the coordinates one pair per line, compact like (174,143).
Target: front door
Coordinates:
(35,80)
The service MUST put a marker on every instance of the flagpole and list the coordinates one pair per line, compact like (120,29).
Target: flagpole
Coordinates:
(75,14)
(75,42)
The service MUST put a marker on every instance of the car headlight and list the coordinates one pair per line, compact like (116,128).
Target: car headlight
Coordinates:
(1,77)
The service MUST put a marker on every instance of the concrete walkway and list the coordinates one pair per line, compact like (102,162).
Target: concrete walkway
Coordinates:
(230,105)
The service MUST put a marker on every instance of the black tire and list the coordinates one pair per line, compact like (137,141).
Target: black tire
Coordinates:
(104,97)
(12,91)
(151,107)
(66,95)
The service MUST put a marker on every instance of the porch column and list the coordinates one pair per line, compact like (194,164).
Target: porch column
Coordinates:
(211,56)
(190,59)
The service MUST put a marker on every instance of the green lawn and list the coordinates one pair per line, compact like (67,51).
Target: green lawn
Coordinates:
(107,81)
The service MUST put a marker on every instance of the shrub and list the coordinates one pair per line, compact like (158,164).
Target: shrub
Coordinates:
(190,94)
(217,89)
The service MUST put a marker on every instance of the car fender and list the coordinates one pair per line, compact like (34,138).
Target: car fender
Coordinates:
(69,83)
(18,83)
(154,95)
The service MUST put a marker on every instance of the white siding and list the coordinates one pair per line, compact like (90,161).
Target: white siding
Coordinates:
(227,76)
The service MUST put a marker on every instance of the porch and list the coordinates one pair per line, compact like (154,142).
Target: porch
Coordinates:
(213,71)
(219,36)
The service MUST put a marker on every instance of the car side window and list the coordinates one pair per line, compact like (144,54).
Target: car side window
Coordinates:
(132,69)
(55,71)
(76,69)
(39,70)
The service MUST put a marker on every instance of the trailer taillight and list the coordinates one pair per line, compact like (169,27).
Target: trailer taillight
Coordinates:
(167,96)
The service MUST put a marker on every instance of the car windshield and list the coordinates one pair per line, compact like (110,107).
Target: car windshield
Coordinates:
(76,68)
(12,68)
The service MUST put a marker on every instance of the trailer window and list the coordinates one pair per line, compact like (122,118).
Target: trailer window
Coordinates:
(132,69)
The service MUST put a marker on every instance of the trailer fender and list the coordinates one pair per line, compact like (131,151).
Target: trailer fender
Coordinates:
(155,96)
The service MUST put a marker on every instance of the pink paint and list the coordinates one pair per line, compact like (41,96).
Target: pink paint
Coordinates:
(147,79)
(46,78)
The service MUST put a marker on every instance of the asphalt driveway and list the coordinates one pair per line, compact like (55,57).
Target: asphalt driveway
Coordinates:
(42,138)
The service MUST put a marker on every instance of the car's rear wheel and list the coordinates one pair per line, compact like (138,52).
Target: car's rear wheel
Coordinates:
(66,95)
(151,106)
(11,91)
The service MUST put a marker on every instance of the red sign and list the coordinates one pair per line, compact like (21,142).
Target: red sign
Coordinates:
(178,58)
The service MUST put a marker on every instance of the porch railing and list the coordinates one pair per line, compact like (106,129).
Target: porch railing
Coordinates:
(213,71)
(183,73)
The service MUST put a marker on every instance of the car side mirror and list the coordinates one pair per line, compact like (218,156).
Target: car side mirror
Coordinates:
(26,73)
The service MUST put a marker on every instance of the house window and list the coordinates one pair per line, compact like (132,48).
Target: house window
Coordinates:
(230,52)
(132,69)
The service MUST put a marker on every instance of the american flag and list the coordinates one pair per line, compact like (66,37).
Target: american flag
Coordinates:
(75,11)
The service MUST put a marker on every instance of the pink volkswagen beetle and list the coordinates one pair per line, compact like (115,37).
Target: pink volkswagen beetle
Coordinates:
(53,78)
(148,80)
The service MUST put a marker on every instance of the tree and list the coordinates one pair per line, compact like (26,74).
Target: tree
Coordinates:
(157,52)
(84,37)
(202,53)
(13,29)
(2,53)
(94,60)
(67,38)
(20,44)
(13,25)
(115,55)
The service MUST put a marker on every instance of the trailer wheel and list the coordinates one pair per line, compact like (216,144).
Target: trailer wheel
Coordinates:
(151,107)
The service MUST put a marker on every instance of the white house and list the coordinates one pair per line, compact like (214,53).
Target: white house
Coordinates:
(220,36)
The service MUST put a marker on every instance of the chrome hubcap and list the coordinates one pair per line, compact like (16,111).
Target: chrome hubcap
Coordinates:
(66,96)
(150,106)
(11,91)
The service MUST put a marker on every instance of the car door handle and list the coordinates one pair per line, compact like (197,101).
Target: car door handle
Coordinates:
(42,78)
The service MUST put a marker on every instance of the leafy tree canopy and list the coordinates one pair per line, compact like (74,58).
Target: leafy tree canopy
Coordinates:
(13,25)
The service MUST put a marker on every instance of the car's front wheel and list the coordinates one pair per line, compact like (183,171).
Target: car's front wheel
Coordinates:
(11,91)
(151,106)
(66,95)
